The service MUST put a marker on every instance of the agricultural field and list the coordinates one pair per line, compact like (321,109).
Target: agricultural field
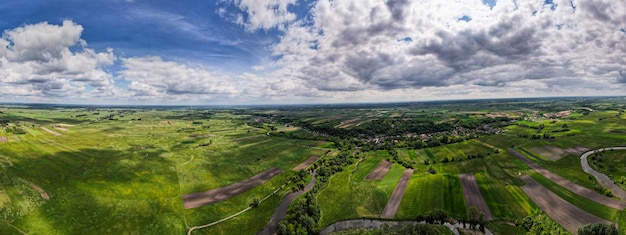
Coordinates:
(218,170)
(124,171)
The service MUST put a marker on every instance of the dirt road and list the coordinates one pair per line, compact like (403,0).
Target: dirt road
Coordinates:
(604,180)
(575,188)
(281,210)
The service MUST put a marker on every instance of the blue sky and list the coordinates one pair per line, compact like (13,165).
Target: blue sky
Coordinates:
(295,51)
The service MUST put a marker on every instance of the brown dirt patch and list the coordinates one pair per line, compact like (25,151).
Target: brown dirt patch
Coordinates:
(561,211)
(306,163)
(43,193)
(348,123)
(3,139)
(396,196)
(472,195)
(562,114)
(198,199)
(575,188)
(202,135)
(555,153)
(380,171)
(51,132)
(486,144)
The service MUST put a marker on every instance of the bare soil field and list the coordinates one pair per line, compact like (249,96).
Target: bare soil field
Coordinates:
(43,193)
(486,144)
(380,171)
(472,195)
(3,139)
(306,163)
(555,153)
(51,132)
(561,211)
(575,188)
(198,199)
(348,123)
(396,197)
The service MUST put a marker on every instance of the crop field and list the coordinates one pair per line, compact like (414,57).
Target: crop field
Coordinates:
(124,170)
(349,195)
(425,193)
(127,175)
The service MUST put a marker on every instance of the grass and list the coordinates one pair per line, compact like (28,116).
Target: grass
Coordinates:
(427,192)
(349,196)
(592,207)
(504,201)
(127,176)
(573,172)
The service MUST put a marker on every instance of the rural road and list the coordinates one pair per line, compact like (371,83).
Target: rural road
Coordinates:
(604,180)
(569,185)
(281,210)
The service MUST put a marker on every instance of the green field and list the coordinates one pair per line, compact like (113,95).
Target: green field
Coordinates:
(430,192)
(349,195)
(116,176)
(123,170)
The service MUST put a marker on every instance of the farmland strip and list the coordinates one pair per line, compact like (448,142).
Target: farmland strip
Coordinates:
(561,211)
(396,196)
(51,132)
(380,171)
(575,188)
(198,199)
(472,195)
(306,163)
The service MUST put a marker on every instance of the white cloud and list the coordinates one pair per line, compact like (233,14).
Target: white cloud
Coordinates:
(262,14)
(51,61)
(397,45)
(151,76)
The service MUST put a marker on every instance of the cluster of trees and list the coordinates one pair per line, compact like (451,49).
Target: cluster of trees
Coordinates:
(394,158)
(597,229)
(299,180)
(302,217)
(395,127)
(541,224)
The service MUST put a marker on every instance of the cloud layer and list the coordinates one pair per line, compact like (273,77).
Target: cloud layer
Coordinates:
(342,51)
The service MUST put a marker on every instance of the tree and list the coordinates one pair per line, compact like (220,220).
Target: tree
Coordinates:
(597,229)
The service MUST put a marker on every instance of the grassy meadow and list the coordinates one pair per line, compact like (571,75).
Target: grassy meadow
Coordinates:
(124,171)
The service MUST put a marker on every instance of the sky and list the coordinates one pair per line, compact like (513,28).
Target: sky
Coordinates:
(229,52)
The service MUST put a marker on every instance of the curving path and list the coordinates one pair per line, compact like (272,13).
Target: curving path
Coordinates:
(604,180)
(281,210)
(569,185)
